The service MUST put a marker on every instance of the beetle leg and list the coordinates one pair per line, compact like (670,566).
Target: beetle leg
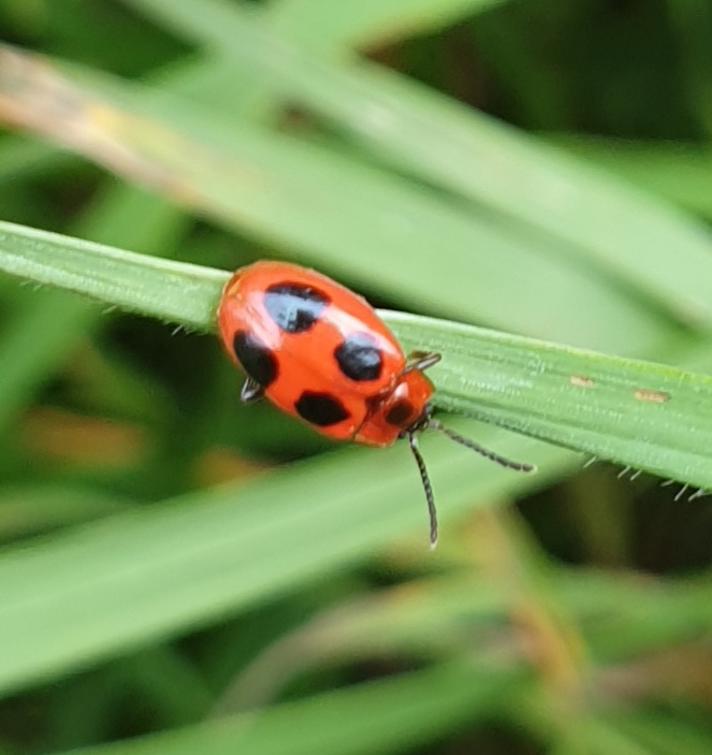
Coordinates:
(422,360)
(251,391)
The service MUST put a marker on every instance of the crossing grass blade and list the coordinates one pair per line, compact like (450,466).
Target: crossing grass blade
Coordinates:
(335,28)
(583,213)
(262,183)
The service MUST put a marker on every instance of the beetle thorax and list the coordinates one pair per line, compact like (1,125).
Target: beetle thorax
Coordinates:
(398,411)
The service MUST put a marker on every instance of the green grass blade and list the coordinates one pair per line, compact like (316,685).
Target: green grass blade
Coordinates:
(639,414)
(600,219)
(180,293)
(326,26)
(379,717)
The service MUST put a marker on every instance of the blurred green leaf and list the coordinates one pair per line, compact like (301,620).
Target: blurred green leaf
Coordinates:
(581,212)
(326,26)
(270,185)
(681,173)
(129,215)
(166,680)
(618,615)
(623,616)
(692,22)
(423,619)
(29,360)
(161,678)
(662,733)
(599,738)
(135,577)
(378,717)
(20,156)
(28,509)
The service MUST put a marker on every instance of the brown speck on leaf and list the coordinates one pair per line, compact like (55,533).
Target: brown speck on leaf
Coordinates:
(652,397)
(580,381)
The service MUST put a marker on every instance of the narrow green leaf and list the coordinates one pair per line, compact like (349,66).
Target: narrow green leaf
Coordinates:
(325,26)
(639,414)
(623,618)
(625,232)
(386,716)
(211,553)
(421,619)
(270,185)
(175,292)
(681,173)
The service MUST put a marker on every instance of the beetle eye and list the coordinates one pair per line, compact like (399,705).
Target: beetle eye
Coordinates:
(400,414)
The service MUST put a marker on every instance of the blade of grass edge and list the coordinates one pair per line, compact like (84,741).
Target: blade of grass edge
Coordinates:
(600,218)
(639,414)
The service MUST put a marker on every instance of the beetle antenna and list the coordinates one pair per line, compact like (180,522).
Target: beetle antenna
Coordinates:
(413,443)
(518,466)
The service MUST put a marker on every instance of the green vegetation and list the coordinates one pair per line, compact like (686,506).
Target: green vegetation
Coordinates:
(182,574)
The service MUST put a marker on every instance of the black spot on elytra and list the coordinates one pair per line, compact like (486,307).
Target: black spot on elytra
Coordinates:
(295,307)
(256,359)
(359,357)
(400,413)
(320,409)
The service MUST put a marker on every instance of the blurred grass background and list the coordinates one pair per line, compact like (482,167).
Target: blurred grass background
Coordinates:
(151,581)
